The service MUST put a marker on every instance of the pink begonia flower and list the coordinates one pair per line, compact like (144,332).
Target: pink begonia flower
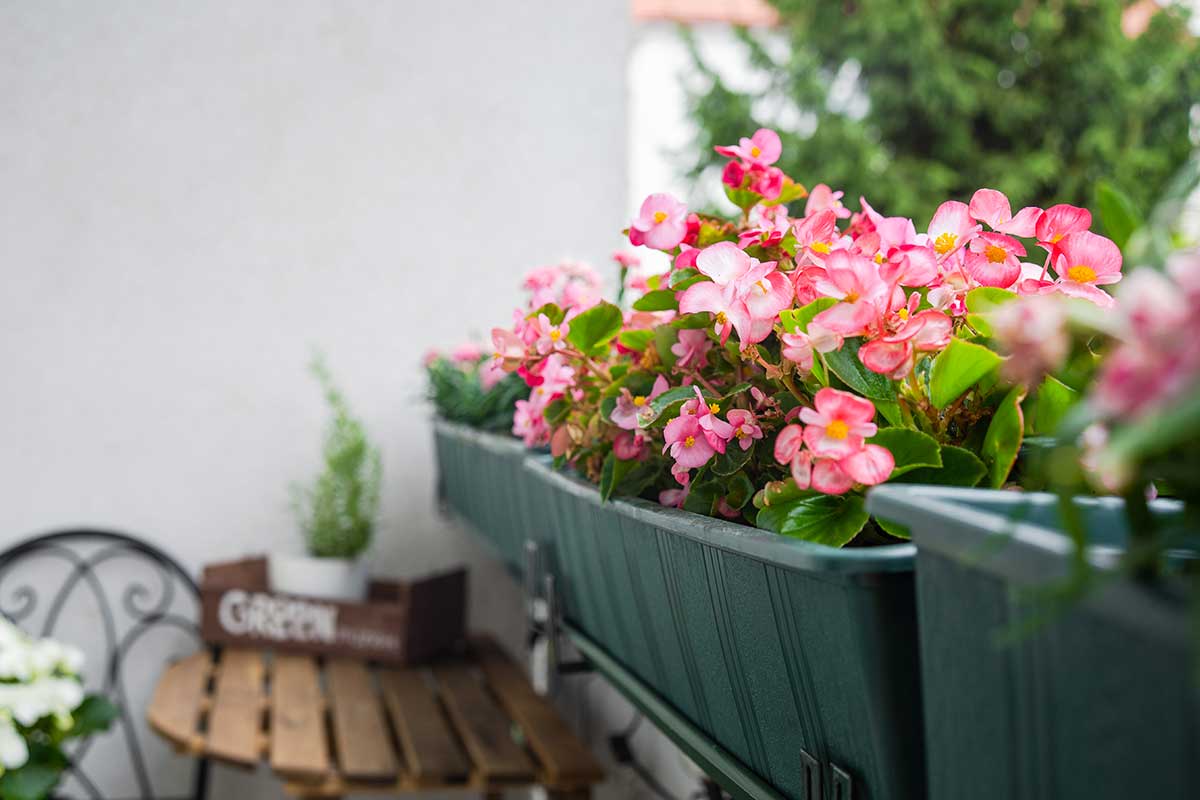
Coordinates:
(1153,307)
(716,430)
(1058,221)
(745,427)
(893,355)
(733,174)
(744,295)
(550,337)
(768,226)
(1085,261)
(540,278)
(630,446)
(691,350)
(912,265)
(430,357)
(994,260)
(892,231)
(798,349)
(676,497)
(761,149)
(870,466)
(766,181)
(530,424)
(822,339)
(577,297)
(688,445)
(490,373)
(822,198)
(789,449)
(1033,331)
(466,352)
(726,510)
(630,406)
(855,281)
(661,222)
(509,349)
(993,209)
(839,424)
(626,258)
(951,227)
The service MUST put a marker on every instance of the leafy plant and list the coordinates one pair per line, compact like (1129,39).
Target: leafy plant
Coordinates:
(458,393)
(42,706)
(919,101)
(337,514)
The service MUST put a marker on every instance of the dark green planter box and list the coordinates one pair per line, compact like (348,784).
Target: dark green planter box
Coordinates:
(482,481)
(1099,703)
(796,658)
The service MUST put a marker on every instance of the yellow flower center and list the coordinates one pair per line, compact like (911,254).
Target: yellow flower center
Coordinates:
(837,429)
(721,318)
(996,255)
(555,334)
(739,433)
(639,401)
(902,313)
(689,441)
(1081,273)
(945,243)
(879,258)
(659,216)
(1054,239)
(851,297)
(755,151)
(820,247)
(713,408)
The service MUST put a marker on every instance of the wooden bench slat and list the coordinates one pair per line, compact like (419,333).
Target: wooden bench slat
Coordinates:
(484,729)
(364,746)
(564,758)
(429,746)
(298,743)
(235,721)
(179,700)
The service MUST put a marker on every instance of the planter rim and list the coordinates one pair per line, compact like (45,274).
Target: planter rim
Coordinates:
(996,542)
(741,539)
(497,442)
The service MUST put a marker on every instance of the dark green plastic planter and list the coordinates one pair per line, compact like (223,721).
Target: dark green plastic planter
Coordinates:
(1099,703)
(797,658)
(481,479)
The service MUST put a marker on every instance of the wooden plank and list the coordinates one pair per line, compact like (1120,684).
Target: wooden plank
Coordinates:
(298,744)
(431,752)
(364,745)
(179,701)
(484,729)
(565,760)
(235,722)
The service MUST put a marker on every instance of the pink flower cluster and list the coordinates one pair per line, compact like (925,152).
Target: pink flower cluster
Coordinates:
(831,454)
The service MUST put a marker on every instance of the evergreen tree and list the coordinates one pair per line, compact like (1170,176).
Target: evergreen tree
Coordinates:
(1041,100)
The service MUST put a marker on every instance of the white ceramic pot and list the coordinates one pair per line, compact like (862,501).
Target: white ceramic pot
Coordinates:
(327,578)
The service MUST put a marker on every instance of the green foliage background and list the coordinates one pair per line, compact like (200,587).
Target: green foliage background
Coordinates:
(1040,100)
(337,514)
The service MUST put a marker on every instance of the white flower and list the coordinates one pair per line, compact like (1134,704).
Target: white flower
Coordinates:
(29,702)
(13,750)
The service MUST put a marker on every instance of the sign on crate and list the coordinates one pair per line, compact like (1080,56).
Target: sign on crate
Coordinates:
(400,623)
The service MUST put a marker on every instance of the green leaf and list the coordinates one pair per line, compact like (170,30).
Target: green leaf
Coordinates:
(777,493)
(94,714)
(822,518)
(701,319)
(592,330)
(1054,399)
(703,496)
(911,449)
(552,312)
(981,301)
(894,528)
(738,490)
(742,198)
(636,340)
(683,278)
(29,782)
(658,405)
(797,319)
(956,369)
(664,339)
(557,410)
(660,300)
(1003,438)
(1117,213)
(611,474)
(845,363)
(732,460)
(960,467)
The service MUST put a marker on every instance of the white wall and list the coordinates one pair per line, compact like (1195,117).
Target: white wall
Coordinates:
(193,195)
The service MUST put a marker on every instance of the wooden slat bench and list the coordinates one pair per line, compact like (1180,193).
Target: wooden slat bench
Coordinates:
(335,727)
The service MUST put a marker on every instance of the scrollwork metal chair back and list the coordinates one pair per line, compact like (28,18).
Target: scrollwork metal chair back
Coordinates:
(85,571)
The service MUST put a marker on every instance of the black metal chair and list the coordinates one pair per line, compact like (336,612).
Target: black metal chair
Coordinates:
(83,565)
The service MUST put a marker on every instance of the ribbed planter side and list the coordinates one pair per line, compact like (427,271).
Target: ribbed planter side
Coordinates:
(1098,704)
(770,645)
(481,479)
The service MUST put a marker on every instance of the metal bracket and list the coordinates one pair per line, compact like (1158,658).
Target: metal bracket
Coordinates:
(811,770)
(543,618)
(843,784)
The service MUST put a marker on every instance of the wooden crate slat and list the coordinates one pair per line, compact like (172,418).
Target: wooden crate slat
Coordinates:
(179,700)
(484,729)
(235,722)
(364,746)
(430,749)
(298,743)
(563,757)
